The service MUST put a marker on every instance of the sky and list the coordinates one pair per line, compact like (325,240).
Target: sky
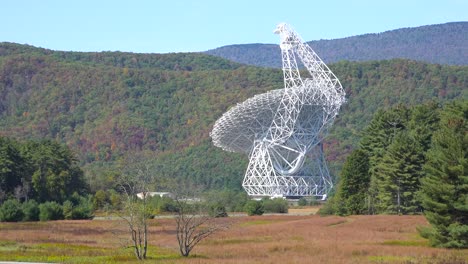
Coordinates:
(163,26)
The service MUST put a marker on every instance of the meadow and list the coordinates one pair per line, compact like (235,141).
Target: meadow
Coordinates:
(291,238)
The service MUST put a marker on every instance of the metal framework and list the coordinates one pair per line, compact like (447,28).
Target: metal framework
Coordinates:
(282,130)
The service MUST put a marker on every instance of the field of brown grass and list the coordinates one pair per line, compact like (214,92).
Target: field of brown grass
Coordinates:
(259,239)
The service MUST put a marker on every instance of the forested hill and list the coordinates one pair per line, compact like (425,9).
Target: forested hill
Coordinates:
(442,44)
(104,105)
(170,61)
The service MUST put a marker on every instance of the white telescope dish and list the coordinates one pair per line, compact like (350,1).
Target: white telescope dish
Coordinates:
(282,130)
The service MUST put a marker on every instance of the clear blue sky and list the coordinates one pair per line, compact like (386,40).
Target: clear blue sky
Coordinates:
(160,26)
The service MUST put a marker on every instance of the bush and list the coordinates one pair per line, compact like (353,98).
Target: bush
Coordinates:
(166,204)
(240,200)
(10,211)
(84,209)
(78,208)
(217,210)
(100,199)
(30,211)
(277,205)
(302,202)
(233,201)
(115,199)
(253,207)
(328,208)
(50,211)
(67,208)
(314,201)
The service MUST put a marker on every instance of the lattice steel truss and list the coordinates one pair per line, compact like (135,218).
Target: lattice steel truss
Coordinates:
(282,130)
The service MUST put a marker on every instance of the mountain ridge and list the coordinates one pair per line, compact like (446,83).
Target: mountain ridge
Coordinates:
(440,43)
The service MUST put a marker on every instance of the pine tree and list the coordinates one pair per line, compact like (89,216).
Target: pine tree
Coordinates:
(376,139)
(444,190)
(13,167)
(352,191)
(398,176)
(423,122)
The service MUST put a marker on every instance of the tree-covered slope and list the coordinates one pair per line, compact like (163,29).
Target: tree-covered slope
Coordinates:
(377,85)
(442,44)
(104,105)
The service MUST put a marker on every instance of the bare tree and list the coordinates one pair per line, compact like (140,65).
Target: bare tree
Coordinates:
(21,191)
(2,195)
(135,181)
(194,223)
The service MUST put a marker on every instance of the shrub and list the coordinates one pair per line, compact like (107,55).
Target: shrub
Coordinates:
(314,201)
(302,202)
(67,208)
(115,199)
(217,210)
(10,211)
(100,199)
(166,204)
(78,208)
(328,208)
(253,207)
(84,209)
(50,211)
(277,205)
(233,201)
(240,200)
(30,210)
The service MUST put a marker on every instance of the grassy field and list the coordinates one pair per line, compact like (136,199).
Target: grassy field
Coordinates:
(261,239)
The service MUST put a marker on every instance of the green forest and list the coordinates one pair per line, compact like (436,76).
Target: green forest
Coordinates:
(411,160)
(104,105)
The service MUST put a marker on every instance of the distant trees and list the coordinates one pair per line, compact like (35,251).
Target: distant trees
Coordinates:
(77,207)
(41,170)
(42,181)
(414,43)
(14,170)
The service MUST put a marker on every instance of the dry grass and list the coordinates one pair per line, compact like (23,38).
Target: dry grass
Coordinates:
(259,239)
(306,210)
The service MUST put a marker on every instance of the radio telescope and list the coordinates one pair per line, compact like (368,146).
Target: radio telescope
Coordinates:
(282,130)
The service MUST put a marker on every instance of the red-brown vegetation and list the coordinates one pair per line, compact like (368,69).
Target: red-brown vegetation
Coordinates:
(260,239)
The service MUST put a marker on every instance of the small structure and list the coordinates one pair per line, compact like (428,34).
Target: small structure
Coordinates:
(152,194)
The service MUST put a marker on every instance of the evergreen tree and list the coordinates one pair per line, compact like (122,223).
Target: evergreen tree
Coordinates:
(55,172)
(423,122)
(380,132)
(352,191)
(13,167)
(444,190)
(398,174)
(377,136)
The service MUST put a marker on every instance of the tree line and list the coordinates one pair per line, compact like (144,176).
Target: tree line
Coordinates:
(411,160)
(42,170)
